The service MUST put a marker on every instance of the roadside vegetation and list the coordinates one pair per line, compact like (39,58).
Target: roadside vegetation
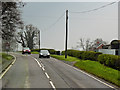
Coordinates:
(34,52)
(5,60)
(101,65)
(94,68)
(7,56)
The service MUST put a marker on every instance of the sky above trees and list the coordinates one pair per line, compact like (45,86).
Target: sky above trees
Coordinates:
(49,17)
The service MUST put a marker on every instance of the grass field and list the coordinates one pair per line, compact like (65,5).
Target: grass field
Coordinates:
(95,68)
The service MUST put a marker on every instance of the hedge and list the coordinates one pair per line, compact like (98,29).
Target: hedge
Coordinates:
(85,55)
(110,60)
(52,51)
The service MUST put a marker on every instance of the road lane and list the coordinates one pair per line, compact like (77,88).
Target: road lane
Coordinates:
(25,73)
(28,72)
(16,76)
(36,76)
(65,76)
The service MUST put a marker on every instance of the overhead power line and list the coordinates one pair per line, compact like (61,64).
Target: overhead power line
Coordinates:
(48,28)
(96,8)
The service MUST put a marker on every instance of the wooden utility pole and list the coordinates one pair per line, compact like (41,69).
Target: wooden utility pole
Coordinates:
(66,33)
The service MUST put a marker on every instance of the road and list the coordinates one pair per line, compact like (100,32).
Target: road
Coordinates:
(29,71)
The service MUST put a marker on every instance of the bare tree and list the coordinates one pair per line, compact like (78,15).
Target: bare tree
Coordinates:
(27,37)
(84,44)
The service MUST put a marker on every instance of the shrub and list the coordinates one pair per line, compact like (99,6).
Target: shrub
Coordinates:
(63,53)
(52,51)
(110,60)
(90,55)
(85,55)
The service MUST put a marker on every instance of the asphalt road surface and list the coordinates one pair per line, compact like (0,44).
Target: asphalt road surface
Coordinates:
(29,71)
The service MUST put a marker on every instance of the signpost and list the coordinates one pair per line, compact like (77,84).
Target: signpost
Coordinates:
(7,46)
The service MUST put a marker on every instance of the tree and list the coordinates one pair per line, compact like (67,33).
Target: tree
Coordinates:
(11,20)
(84,44)
(27,37)
(87,44)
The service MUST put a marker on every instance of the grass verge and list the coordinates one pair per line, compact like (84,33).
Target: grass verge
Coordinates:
(62,57)
(34,52)
(94,68)
(5,60)
(6,56)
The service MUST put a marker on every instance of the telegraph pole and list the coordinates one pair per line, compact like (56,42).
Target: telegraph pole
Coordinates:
(39,40)
(66,33)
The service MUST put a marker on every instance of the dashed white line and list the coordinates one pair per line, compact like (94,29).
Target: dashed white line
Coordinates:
(37,62)
(42,65)
(47,75)
(52,85)
(43,68)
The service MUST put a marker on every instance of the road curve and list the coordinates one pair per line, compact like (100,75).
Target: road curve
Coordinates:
(66,76)
(29,71)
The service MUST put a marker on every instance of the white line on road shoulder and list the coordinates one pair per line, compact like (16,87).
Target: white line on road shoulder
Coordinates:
(94,78)
(90,76)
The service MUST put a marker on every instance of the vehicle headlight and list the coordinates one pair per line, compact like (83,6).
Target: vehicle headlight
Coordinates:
(48,53)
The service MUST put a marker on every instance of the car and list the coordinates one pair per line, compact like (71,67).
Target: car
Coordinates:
(44,53)
(26,50)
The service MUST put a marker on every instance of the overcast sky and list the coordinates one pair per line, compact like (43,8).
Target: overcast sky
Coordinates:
(102,23)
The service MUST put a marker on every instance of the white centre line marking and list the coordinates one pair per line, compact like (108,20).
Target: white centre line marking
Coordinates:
(37,61)
(52,85)
(43,68)
(42,65)
(47,75)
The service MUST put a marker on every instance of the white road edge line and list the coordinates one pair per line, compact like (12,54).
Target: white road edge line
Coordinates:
(8,67)
(52,85)
(95,78)
(47,75)
(91,76)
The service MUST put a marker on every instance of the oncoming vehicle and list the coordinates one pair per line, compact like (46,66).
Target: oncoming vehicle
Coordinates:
(26,50)
(44,53)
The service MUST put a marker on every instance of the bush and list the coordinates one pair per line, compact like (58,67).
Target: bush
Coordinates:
(110,60)
(90,55)
(85,55)
(52,51)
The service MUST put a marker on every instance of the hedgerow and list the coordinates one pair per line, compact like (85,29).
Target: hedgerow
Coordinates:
(110,60)
(85,55)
